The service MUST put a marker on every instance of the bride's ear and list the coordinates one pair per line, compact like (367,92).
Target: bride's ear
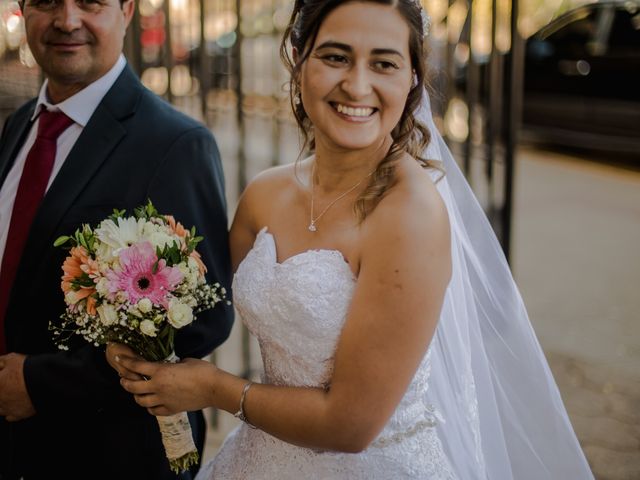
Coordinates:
(295,55)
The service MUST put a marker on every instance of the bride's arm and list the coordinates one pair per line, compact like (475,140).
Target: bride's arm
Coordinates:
(405,268)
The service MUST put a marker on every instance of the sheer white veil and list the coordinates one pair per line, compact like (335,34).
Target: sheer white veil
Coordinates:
(504,418)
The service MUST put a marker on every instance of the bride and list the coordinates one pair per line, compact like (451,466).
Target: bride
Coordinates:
(395,343)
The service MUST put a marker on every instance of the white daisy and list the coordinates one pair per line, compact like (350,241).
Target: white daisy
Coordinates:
(121,235)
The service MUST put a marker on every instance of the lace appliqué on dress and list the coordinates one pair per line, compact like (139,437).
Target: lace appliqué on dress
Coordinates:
(297,309)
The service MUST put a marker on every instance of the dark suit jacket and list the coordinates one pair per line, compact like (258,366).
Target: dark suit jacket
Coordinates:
(134,147)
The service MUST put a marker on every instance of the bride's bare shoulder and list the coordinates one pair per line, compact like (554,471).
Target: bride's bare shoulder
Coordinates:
(412,212)
(265,194)
(274,181)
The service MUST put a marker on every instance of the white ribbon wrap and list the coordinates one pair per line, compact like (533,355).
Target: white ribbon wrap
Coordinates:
(176,430)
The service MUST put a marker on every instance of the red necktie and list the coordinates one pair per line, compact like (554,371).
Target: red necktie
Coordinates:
(33,183)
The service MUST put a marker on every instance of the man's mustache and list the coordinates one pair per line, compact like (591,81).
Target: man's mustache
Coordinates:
(77,36)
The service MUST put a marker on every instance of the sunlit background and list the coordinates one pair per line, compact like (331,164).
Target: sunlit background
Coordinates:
(217,60)
(569,222)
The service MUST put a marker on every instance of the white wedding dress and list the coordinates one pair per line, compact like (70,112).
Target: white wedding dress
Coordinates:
(296,309)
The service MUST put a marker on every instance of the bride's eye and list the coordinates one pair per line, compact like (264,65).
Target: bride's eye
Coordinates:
(385,65)
(335,59)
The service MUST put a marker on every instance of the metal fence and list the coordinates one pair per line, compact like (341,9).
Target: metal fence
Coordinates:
(217,60)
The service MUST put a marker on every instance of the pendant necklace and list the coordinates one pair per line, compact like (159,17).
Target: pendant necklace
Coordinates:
(312,221)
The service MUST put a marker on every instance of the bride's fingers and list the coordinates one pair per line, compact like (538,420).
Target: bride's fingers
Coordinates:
(114,350)
(133,365)
(138,387)
(124,372)
(129,375)
(117,349)
(148,401)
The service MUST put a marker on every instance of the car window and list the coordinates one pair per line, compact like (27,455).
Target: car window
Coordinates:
(624,39)
(570,37)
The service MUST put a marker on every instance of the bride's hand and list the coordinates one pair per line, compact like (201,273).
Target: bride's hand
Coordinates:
(168,388)
(118,349)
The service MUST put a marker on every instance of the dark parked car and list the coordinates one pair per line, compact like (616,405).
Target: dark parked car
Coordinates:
(582,78)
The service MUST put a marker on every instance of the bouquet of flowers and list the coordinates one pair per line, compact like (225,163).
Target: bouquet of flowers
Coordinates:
(136,280)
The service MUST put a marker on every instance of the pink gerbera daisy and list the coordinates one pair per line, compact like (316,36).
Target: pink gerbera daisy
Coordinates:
(137,279)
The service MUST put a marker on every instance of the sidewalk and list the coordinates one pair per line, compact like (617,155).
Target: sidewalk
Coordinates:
(577,262)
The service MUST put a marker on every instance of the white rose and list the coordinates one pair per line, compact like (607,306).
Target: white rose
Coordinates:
(104,251)
(144,305)
(193,265)
(189,300)
(102,287)
(108,314)
(184,269)
(160,239)
(190,278)
(148,328)
(179,314)
(193,277)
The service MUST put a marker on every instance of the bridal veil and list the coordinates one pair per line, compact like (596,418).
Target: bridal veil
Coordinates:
(504,417)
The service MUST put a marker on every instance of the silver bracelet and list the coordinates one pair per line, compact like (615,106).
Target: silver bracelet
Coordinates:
(240,413)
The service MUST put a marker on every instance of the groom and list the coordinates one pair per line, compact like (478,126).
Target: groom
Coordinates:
(95,139)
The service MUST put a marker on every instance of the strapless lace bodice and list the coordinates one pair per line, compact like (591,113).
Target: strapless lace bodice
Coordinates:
(296,310)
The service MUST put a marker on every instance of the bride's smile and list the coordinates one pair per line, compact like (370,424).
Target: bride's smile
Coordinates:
(353,113)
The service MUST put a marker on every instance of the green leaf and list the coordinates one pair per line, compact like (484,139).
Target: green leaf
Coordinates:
(117,214)
(146,211)
(151,210)
(83,242)
(139,212)
(83,280)
(61,240)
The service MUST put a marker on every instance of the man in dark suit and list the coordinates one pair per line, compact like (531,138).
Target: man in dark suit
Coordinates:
(63,414)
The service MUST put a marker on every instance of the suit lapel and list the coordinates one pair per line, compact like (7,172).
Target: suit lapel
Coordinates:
(97,141)
(14,138)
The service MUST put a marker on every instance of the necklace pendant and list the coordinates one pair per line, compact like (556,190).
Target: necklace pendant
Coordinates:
(312,227)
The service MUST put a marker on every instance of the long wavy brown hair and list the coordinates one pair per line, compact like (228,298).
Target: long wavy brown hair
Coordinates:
(409,135)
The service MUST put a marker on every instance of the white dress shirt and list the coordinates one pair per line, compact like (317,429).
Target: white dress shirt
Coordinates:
(79,108)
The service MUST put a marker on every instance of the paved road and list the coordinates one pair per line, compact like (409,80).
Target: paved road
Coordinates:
(577,262)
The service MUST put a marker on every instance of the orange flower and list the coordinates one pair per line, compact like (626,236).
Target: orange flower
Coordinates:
(91,306)
(73,267)
(177,227)
(82,293)
(198,258)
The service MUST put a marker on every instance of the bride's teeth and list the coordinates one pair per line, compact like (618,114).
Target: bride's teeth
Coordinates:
(354,112)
